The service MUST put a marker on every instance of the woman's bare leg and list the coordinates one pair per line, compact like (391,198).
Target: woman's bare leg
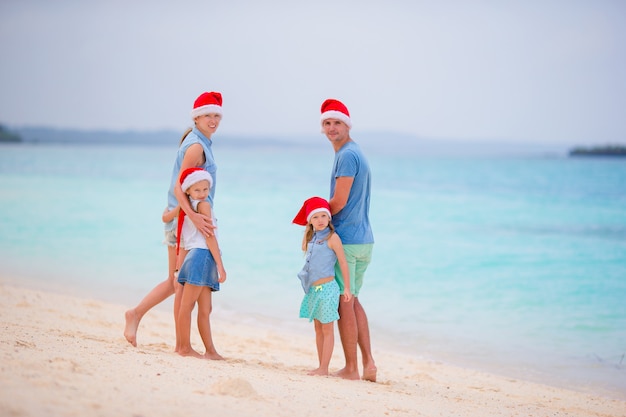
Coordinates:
(156,296)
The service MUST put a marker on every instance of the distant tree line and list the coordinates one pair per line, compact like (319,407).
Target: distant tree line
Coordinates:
(8,136)
(607,150)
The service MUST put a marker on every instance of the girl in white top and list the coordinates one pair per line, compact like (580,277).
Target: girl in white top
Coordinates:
(202,270)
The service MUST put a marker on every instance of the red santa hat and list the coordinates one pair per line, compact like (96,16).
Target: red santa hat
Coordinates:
(335,109)
(189,177)
(207,103)
(309,208)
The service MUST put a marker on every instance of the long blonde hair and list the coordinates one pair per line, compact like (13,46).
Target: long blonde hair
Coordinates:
(310,231)
(188,131)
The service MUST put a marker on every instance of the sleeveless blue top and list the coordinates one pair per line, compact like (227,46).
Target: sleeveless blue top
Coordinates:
(195,136)
(320,260)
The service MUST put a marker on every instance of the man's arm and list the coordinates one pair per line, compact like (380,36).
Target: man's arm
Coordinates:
(338,201)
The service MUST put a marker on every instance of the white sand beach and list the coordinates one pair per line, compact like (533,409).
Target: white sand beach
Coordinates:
(67,356)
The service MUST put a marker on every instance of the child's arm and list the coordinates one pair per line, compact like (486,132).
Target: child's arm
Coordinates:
(334,242)
(211,241)
(169,215)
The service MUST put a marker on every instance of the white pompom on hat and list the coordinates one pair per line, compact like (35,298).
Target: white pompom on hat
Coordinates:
(335,109)
(207,103)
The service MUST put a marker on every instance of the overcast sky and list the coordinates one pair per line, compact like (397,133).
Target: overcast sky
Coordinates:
(541,71)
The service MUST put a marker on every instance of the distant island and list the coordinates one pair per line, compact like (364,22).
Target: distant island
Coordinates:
(608,150)
(8,136)
(375,141)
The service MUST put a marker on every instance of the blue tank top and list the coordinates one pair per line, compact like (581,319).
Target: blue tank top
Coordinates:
(320,260)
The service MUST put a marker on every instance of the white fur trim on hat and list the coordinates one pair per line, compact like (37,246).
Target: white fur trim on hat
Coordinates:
(206,109)
(195,177)
(317,210)
(334,114)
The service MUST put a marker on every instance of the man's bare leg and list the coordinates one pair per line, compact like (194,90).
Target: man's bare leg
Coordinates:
(369,366)
(348,332)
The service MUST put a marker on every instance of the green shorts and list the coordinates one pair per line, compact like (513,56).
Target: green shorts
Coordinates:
(358,258)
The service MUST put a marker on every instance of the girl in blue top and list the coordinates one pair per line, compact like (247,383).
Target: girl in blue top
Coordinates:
(323,249)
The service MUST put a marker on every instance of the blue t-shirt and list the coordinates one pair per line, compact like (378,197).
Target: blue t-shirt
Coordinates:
(195,136)
(352,223)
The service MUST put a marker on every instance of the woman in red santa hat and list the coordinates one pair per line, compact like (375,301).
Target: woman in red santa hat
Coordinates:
(194,151)
(323,249)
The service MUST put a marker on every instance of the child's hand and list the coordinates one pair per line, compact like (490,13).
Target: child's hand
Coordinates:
(222,275)
(170,215)
(347,296)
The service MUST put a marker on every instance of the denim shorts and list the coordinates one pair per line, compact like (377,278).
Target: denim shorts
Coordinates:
(170,238)
(199,269)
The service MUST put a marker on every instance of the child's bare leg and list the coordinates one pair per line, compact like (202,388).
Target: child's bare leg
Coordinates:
(319,339)
(205,306)
(178,290)
(327,332)
(156,296)
(188,300)
(178,294)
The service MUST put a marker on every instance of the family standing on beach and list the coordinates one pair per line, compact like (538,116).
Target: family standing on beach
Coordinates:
(337,243)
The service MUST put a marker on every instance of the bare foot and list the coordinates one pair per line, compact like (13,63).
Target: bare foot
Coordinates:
(318,371)
(132,323)
(189,352)
(345,374)
(369,374)
(214,356)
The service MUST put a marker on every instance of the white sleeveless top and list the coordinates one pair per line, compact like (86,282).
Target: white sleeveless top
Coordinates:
(192,238)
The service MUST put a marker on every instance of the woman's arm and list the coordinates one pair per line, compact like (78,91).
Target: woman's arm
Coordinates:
(194,157)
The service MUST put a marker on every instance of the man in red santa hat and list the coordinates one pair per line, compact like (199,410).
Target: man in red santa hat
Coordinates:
(349,204)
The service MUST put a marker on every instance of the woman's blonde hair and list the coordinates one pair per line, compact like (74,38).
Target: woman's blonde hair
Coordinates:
(188,131)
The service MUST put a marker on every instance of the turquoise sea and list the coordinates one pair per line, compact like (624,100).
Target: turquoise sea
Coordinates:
(512,264)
